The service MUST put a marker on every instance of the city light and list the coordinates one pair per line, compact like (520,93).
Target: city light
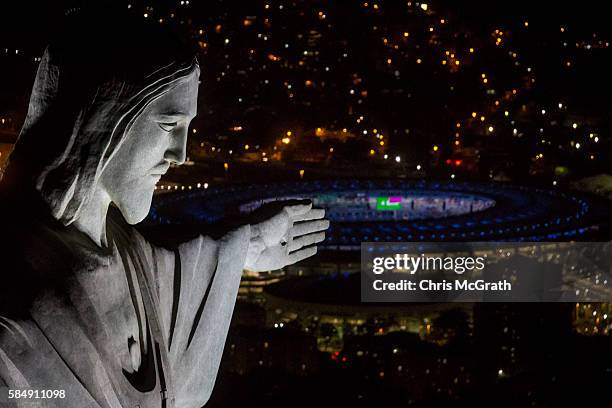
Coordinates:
(290,65)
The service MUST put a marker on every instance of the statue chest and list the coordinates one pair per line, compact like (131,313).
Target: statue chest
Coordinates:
(105,315)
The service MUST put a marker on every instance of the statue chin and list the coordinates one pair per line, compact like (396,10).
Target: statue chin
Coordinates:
(136,209)
(134,218)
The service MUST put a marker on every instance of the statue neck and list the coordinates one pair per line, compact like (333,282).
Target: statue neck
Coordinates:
(92,218)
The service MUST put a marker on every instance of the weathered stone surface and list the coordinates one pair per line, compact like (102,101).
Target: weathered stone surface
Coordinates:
(87,305)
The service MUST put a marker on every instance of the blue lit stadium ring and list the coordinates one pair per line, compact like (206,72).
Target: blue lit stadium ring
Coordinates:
(407,210)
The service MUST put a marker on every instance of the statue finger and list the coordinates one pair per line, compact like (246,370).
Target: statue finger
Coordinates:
(314,214)
(308,227)
(298,210)
(306,240)
(297,256)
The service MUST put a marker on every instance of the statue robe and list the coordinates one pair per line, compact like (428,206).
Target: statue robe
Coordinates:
(96,310)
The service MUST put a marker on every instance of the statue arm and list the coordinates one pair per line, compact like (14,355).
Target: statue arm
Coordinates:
(197,285)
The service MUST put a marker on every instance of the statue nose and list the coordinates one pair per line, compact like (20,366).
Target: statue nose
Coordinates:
(177,151)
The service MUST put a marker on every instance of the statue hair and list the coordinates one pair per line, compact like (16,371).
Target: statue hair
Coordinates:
(99,72)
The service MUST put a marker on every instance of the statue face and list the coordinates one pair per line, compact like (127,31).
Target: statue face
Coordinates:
(156,139)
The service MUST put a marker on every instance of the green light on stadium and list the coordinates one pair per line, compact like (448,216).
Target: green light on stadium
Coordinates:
(388,203)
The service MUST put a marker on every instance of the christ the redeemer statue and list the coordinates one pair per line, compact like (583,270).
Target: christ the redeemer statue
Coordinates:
(89,309)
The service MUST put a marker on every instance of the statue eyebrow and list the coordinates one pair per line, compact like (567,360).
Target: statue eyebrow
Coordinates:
(174,116)
(171,115)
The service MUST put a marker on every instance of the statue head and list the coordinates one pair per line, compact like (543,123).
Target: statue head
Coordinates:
(110,109)
(156,139)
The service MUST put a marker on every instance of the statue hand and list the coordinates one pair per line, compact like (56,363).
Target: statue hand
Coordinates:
(286,238)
